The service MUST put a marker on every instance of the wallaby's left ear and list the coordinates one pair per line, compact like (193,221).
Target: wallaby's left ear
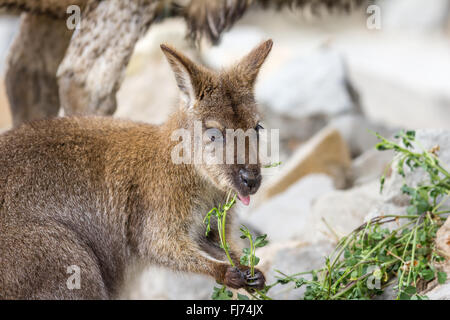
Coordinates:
(187,74)
(249,66)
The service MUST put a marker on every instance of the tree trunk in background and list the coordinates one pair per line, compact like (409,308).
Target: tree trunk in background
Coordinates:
(94,66)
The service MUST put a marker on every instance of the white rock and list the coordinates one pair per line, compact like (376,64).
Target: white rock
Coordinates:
(370,166)
(291,258)
(337,213)
(357,131)
(9,26)
(313,85)
(284,216)
(232,46)
(414,14)
(440,292)
(157,283)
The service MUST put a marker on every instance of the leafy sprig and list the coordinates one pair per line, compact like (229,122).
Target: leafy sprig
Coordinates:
(373,257)
(248,258)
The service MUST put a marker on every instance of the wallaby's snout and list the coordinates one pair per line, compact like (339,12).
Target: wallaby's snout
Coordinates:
(250,179)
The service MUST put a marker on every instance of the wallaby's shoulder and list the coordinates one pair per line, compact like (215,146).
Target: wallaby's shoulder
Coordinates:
(95,141)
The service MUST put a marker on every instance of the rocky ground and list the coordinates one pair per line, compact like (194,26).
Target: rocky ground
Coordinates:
(327,82)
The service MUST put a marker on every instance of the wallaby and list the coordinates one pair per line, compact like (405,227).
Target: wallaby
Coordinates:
(104,195)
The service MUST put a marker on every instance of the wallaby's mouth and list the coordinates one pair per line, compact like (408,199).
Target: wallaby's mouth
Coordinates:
(244,200)
(247,183)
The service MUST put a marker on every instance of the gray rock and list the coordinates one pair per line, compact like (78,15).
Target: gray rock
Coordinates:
(8,28)
(357,131)
(157,283)
(441,292)
(309,86)
(369,166)
(283,217)
(240,39)
(291,258)
(414,15)
(337,213)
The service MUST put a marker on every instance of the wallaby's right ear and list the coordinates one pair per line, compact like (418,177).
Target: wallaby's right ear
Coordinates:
(187,74)
(248,67)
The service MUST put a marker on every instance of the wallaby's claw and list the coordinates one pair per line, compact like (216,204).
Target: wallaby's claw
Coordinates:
(255,282)
(236,279)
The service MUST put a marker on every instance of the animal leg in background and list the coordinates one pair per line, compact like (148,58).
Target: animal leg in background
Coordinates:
(31,66)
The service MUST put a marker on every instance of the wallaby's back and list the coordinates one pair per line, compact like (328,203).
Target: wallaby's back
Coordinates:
(65,200)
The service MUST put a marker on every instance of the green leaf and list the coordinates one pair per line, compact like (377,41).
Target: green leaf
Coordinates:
(427,274)
(442,277)
(404,296)
(221,294)
(381,146)
(261,241)
(382,181)
(411,210)
(411,134)
(299,282)
(410,290)
(244,260)
(242,297)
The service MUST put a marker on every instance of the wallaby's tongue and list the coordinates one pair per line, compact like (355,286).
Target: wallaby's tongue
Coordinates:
(244,200)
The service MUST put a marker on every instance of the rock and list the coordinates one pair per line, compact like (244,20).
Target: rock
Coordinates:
(305,93)
(370,166)
(162,284)
(5,115)
(427,138)
(9,26)
(325,153)
(284,216)
(337,213)
(298,93)
(440,292)
(290,258)
(233,44)
(309,86)
(357,131)
(413,15)
(443,245)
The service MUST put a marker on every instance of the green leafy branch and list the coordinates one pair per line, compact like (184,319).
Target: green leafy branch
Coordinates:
(248,258)
(404,256)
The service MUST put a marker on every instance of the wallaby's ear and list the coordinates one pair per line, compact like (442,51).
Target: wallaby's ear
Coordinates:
(249,66)
(187,74)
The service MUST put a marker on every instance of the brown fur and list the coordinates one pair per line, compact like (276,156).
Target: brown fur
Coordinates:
(104,195)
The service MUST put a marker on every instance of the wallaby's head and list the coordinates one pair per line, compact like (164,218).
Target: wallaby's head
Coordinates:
(222,104)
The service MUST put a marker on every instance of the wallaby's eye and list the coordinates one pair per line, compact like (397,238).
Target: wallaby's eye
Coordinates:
(214,134)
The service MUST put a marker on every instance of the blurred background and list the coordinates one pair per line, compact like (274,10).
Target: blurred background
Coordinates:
(327,82)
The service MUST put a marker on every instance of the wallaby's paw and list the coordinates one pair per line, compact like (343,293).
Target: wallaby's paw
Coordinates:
(257,281)
(235,278)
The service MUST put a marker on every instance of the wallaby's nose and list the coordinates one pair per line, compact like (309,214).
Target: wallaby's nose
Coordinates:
(251,179)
